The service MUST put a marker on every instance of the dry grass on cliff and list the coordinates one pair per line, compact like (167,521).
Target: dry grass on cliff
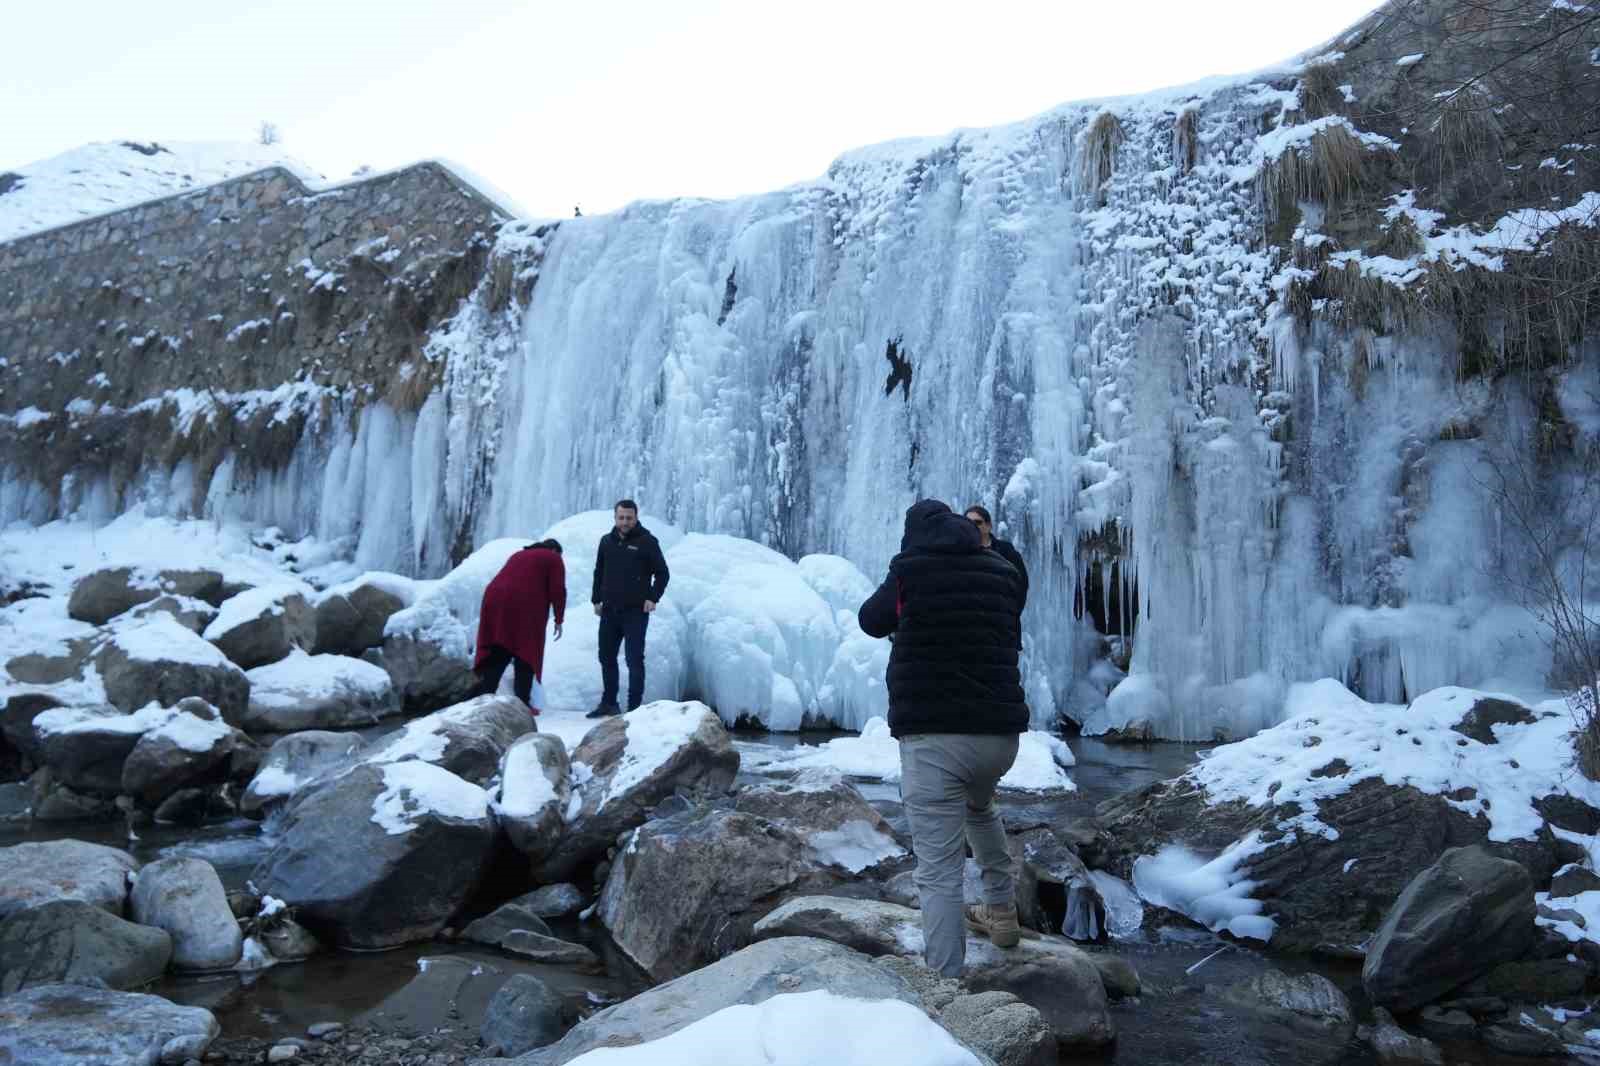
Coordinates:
(1186,139)
(1097,154)
(1331,169)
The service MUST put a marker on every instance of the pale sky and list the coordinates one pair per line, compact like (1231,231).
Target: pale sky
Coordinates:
(602,103)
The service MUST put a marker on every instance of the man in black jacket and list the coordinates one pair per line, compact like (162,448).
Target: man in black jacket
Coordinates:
(630,574)
(979,516)
(956,705)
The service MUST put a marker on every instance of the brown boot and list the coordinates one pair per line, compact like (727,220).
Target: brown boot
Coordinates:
(997,923)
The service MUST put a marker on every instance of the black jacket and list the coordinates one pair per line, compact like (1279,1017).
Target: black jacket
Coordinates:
(955,610)
(629,571)
(1010,554)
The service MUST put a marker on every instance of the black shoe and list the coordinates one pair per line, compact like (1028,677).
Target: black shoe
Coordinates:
(605,710)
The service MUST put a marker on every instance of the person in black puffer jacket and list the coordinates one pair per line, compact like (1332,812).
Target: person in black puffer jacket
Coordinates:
(956,705)
(630,576)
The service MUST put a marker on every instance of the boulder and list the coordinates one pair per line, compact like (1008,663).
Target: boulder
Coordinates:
(156,660)
(1320,892)
(382,855)
(1516,1038)
(1047,857)
(1447,1024)
(187,806)
(1571,880)
(628,764)
(69,940)
(55,802)
(753,975)
(1048,973)
(85,747)
(351,617)
(1396,1047)
(427,674)
(16,720)
(33,874)
(73,1025)
(186,750)
(292,763)
(1307,1000)
(289,941)
(305,692)
(1456,920)
(185,897)
(687,890)
(502,921)
(192,614)
(260,626)
(1117,974)
(100,596)
(838,824)
(549,950)
(533,794)
(1479,722)
(554,901)
(1002,1027)
(523,1015)
(469,739)
(39,668)
(1533,981)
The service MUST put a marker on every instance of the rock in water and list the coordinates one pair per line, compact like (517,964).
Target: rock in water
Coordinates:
(77,942)
(1456,920)
(629,764)
(1001,1026)
(293,762)
(1308,1000)
(31,874)
(75,1025)
(554,901)
(187,749)
(523,1015)
(185,897)
(382,855)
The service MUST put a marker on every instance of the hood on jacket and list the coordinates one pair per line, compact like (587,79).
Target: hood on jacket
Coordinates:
(932,527)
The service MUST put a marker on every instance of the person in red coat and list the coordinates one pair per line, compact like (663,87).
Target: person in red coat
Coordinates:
(511,623)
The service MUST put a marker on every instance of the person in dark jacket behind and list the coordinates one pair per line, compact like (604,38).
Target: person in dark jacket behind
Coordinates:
(956,706)
(630,575)
(511,621)
(979,516)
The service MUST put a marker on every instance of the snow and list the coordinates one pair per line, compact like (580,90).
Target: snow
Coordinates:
(524,788)
(1410,60)
(855,845)
(109,176)
(799,1029)
(1039,766)
(413,789)
(162,638)
(1401,745)
(190,732)
(1586,904)
(184,729)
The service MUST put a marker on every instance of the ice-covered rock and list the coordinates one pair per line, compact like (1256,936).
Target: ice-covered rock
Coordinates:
(382,855)
(1308,1000)
(839,826)
(69,940)
(184,896)
(628,764)
(306,692)
(262,625)
(533,795)
(157,660)
(70,1025)
(293,762)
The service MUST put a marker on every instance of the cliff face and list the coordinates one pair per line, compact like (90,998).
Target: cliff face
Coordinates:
(1241,367)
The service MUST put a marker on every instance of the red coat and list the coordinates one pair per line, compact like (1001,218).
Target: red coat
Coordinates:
(517,603)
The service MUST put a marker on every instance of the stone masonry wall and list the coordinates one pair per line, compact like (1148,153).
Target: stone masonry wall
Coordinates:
(240,286)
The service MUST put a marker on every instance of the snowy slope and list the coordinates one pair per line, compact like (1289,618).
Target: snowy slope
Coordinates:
(109,175)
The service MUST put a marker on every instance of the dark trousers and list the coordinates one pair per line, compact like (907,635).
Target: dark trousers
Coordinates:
(619,625)
(495,666)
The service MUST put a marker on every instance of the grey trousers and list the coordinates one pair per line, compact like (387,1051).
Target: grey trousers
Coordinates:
(947,781)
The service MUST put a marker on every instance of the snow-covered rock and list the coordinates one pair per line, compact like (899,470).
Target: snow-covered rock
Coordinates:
(292,763)
(31,874)
(69,940)
(840,828)
(157,660)
(308,692)
(186,749)
(262,625)
(351,616)
(533,794)
(191,613)
(100,596)
(382,855)
(185,897)
(70,1025)
(469,739)
(85,747)
(628,764)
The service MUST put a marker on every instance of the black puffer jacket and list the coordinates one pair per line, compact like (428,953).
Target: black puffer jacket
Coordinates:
(629,570)
(956,614)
